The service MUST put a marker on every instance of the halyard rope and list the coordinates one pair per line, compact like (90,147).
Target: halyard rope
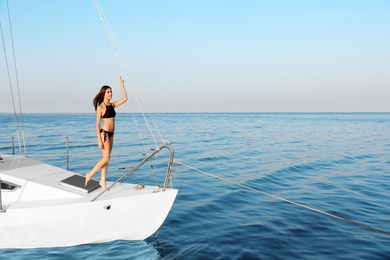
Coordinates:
(283,199)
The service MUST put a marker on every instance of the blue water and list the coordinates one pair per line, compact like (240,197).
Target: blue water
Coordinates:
(334,162)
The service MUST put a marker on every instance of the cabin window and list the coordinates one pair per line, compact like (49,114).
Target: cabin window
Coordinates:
(9,186)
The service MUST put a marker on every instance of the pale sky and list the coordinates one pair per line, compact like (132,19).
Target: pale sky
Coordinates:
(201,55)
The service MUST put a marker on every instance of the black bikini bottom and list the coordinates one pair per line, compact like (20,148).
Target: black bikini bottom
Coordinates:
(106,133)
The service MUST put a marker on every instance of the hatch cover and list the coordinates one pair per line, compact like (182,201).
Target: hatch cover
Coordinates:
(78,182)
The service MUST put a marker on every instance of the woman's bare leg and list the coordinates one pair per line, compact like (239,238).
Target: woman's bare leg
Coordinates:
(97,167)
(102,163)
(105,167)
(103,177)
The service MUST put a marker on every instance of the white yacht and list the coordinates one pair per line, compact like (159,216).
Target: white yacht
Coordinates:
(46,206)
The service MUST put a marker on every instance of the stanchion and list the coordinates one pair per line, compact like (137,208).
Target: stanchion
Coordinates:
(13,146)
(1,203)
(67,152)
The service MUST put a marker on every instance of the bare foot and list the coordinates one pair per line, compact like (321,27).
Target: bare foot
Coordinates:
(103,184)
(88,177)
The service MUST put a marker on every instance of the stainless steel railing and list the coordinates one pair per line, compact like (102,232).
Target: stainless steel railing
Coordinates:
(66,147)
(168,175)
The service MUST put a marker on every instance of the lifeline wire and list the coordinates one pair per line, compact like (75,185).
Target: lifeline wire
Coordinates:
(286,200)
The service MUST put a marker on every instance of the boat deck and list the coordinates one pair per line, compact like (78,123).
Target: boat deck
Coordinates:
(41,184)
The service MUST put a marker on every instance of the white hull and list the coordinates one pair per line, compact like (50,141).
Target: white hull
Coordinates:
(42,213)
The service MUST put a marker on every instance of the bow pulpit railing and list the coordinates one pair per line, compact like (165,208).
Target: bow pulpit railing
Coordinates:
(168,175)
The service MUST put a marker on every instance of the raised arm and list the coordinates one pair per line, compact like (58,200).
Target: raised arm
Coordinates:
(124,94)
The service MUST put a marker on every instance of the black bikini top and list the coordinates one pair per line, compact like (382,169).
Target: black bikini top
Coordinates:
(110,112)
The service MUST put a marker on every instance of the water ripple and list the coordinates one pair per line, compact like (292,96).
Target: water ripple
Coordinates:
(334,162)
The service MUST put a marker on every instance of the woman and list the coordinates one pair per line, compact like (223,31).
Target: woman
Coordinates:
(105,110)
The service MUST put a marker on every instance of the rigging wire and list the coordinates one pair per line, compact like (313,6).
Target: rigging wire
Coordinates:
(111,40)
(17,81)
(285,200)
(11,89)
(118,57)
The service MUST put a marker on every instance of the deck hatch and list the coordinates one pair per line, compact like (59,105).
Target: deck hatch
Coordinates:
(78,182)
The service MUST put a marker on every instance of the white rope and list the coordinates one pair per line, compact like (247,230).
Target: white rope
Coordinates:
(111,40)
(286,200)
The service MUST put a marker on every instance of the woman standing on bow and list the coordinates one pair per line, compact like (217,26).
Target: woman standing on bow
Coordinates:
(105,110)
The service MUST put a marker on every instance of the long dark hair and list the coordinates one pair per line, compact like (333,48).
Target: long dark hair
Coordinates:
(100,96)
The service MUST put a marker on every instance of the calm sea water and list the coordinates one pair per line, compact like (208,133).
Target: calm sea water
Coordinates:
(334,162)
